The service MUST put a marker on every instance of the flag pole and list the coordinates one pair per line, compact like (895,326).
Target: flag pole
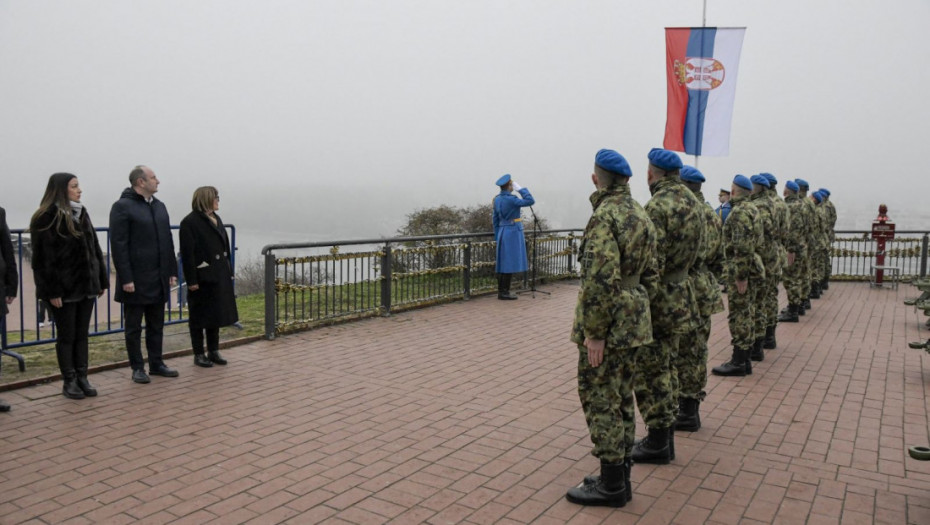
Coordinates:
(703,25)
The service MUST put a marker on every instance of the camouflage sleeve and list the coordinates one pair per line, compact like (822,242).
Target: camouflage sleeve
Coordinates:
(794,235)
(740,244)
(600,260)
(715,257)
(651,277)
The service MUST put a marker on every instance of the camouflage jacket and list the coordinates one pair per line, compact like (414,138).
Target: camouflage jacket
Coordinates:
(742,240)
(795,237)
(812,221)
(676,215)
(820,222)
(619,244)
(709,263)
(767,219)
(831,219)
(782,221)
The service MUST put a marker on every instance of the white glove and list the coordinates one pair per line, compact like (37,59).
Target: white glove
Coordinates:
(516,187)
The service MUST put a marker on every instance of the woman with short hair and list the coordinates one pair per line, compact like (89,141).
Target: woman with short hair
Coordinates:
(206,260)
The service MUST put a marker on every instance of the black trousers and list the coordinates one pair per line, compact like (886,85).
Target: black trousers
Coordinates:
(154,333)
(197,332)
(73,324)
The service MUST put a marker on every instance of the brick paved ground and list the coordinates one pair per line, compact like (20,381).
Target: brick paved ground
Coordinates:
(467,413)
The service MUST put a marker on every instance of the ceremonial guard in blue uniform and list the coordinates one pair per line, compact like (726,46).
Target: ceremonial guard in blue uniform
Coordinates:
(724,209)
(508,233)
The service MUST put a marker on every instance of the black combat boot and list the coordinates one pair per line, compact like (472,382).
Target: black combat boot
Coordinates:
(736,366)
(503,287)
(825,284)
(70,389)
(609,490)
(671,442)
(769,342)
(805,306)
(654,448)
(815,290)
(83,383)
(757,354)
(627,481)
(789,314)
(201,360)
(689,420)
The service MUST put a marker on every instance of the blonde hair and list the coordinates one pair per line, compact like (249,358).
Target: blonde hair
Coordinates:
(203,199)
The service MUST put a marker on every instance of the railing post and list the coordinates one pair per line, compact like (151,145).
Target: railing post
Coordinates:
(923,256)
(466,274)
(270,296)
(386,263)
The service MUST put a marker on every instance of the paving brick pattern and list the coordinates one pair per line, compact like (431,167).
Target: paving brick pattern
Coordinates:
(468,413)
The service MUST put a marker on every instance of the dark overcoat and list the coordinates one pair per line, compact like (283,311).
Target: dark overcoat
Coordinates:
(206,261)
(65,266)
(142,249)
(9,279)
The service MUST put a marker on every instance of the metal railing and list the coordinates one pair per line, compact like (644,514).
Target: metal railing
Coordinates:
(327,282)
(22,327)
(853,254)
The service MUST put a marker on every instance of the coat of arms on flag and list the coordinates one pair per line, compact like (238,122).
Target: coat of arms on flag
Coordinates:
(702,65)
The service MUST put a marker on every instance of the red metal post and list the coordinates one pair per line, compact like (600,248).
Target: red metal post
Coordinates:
(882,230)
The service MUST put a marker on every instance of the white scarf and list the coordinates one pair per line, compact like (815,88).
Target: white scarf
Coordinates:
(76,208)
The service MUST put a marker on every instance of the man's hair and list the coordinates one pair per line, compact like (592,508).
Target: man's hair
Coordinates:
(203,199)
(739,191)
(606,178)
(136,174)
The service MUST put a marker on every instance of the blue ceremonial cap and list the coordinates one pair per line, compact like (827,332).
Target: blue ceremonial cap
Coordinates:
(771,178)
(503,180)
(691,174)
(760,180)
(791,185)
(817,196)
(743,182)
(610,160)
(824,191)
(802,184)
(664,159)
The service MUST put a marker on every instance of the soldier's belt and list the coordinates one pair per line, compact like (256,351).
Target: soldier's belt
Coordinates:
(508,223)
(629,281)
(675,277)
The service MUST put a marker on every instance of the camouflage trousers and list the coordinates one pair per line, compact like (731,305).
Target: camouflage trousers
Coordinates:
(817,265)
(606,395)
(692,360)
(741,313)
(796,275)
(767,314)
(655,381)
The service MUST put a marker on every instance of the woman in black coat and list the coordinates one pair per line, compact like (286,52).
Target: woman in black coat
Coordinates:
(205,259)
(69,273)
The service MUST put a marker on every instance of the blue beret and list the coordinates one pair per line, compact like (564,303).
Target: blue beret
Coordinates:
(771,178)
(824,191)
(664,159)
(791,185)
(743,182)
(802,184)
(503,180)
(760,180)
(817,196)
(610,160)
(691,174)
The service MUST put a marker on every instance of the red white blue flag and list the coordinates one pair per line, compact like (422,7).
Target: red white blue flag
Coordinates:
(702,65)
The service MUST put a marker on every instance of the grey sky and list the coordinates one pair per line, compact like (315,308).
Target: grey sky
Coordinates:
(326,119)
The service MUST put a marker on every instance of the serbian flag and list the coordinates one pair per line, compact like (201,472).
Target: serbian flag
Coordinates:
(702,64)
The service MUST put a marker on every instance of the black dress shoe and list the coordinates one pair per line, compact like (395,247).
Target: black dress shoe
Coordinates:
(139,376)
(201,360)
(216,358)
(4,406)
(163,371)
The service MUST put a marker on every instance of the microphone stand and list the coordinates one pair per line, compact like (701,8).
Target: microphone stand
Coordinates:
(533,289)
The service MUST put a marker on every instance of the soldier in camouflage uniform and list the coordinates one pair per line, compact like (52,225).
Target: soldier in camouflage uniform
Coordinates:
(705,274)
(781,222)
(612,320)
(742,241)
(809,216)
(796,247)
(770,259)
(820,241)
(830,210)
(676,215)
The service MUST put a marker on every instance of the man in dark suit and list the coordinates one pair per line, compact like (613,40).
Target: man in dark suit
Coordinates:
(143,254)
(9,279)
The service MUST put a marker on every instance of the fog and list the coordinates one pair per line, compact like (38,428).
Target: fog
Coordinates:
(321,120)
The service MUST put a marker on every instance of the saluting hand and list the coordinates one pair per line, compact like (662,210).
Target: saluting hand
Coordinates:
(742,286)
(595,351)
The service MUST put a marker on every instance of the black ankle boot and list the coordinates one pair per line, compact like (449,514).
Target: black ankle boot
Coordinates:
(608,491)
(70,389)
(805,305)
(201,360)
(736,366)
(503,287)
(769,342)
(654,448)
(216,358)
(815,290)
(757,354)
(84,384)
(689,420)
(824,285)
(789,314)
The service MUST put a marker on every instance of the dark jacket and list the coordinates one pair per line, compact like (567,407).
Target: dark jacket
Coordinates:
(9,279)
(65,266)
(205,259)
(142,248)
